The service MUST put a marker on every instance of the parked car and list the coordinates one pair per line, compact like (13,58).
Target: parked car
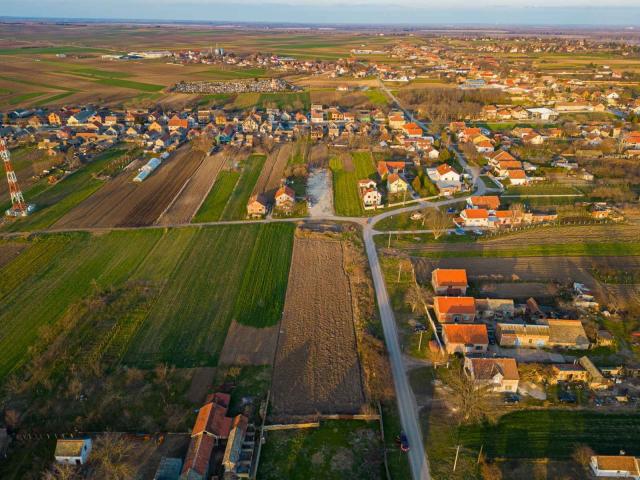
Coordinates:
(404,442)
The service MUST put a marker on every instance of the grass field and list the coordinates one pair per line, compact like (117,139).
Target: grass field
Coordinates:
(335,450)
(213,206)
(555,434)
(264,284)
(54,201)
(346,198)
(236,208)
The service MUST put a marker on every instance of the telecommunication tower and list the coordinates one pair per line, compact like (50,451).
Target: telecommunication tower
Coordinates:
(19,207)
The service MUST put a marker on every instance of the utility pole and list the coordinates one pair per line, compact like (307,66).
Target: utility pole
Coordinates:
(455,462)
(480,454)
(399,269)
(389,242)
(420,341)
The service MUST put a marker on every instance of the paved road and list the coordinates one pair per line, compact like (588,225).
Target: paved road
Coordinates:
(409,415)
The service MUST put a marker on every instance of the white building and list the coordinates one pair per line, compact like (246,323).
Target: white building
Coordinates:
(615,466)
(73,452)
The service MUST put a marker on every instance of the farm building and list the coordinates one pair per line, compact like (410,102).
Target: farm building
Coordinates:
(499,374)
(447,281)
(285,198)
(491,308)
(73,452)
(568,372)
(521,335)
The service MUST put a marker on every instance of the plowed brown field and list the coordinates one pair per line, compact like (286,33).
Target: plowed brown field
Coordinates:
(317,368)
(123,203)
(273,171)
(189,200)
(541,270)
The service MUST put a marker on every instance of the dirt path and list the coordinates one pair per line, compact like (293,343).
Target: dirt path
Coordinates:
(186,205)
(320,191)
(246,345)
(317,367)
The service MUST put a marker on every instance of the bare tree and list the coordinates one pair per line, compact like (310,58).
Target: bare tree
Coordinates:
(469,399)
(61,472)
(438,222)
(203,143)
(582,456)
(414,297)
(112,458)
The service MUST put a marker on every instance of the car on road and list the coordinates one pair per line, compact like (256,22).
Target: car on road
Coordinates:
(404,442)
(511,399)
(478,232)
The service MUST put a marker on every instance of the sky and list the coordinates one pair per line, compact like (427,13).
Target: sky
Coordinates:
(426,12)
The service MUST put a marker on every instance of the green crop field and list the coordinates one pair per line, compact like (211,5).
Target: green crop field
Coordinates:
(264,284)
(555,434)
(52,99)
(24,97)
(236,208)
(54,272)
(55,201)
(377,97)
(118,82)
(346,198)
(198,279)
(205,278)
(213,206)
(231,74)
(336,450)
(50,50)
(285,100)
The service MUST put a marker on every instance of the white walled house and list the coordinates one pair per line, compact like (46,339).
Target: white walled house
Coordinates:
(73,452)
(615,466)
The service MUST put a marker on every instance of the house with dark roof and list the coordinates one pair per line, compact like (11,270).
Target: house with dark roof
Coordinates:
(498,374)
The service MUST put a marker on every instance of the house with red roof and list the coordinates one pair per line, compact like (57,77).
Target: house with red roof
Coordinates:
(449,281)
(454,309)
(466,338)
(412,130)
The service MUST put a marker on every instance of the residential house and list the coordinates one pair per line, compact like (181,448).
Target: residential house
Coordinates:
(454,309)
(211,426)
(177,123)
(285,198)
(489,202)
(615,466)
(497,374)
(81,118)
(449,281)
(396,184)
(465,338)
(257,206)
(475,217)
(412,130)
(73,451)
